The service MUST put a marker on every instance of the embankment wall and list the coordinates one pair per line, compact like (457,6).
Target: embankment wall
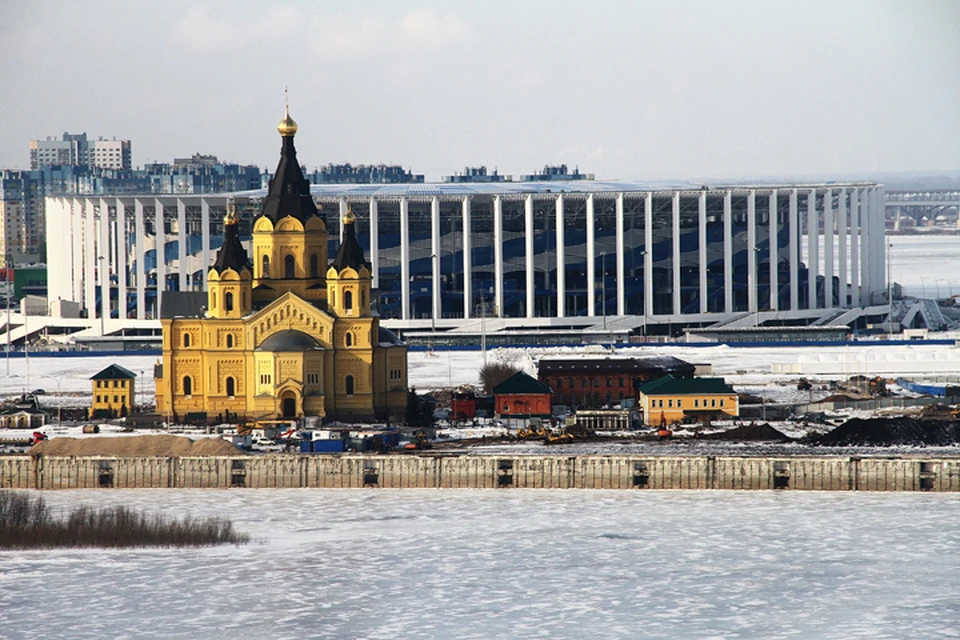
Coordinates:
(816,473)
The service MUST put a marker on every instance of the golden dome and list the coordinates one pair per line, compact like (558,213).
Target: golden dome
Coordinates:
(287,127)
(231,215)
(348,217)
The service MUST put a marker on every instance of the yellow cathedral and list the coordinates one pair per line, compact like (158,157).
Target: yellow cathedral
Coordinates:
(287,335)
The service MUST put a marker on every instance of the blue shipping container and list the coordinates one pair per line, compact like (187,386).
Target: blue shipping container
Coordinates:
(327,446)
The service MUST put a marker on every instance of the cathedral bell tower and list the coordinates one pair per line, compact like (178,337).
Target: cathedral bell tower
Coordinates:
(290,236)
(229,279)
(348,278)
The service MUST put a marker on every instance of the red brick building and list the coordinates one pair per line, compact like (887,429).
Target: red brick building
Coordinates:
(522,396)
(596,382)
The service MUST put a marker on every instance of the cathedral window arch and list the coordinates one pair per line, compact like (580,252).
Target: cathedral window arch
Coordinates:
(186,340)
(228,301)
(363,298)
(265,271)
(229,341)
(314,266)
(289,267)
(348,382)
(348,301)
(349,339)
(231,386)
(187,386)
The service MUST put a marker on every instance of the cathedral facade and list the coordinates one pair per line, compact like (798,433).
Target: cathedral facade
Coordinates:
(285,334)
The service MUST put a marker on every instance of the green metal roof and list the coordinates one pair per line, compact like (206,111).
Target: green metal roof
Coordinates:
(114,372)
(668,385)
(521,383)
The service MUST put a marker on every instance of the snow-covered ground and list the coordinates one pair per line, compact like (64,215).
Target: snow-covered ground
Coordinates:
(384,564)
(748,369)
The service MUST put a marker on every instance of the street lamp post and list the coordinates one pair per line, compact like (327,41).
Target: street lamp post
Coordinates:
(937,282)
(923,286)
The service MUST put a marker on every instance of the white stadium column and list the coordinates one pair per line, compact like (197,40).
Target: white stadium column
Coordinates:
(161,240)
(435,303)
(374,244)
(774,262)
(498,255)
(79,252)
(591,258)
(866,277)
(140,257)
(752,300)
(878,236)
(728,252)
(794,251)
(702,248)
(404,259)
(621,299)
(122,259)
(842,245)
(103,258)
(184,269)
(528,252)
(828,253)
(813,248)
(89,261)
(467,260)
(561,273)
(855,247)
(648,309)
(205,263)
(676,253)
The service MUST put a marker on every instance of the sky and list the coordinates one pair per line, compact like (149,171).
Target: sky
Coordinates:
(631,90)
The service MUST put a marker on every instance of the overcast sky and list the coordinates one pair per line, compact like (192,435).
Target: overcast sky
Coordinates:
(626,90)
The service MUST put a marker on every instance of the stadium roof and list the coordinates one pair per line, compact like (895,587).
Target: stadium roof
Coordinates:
(426,190)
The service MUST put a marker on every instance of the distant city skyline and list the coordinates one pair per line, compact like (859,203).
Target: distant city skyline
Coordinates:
(624,90)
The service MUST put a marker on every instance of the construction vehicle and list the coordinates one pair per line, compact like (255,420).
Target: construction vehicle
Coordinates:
(419,441)
(558,437)
(530,433)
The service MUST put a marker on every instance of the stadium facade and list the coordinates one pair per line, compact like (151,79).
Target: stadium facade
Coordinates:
(573,255)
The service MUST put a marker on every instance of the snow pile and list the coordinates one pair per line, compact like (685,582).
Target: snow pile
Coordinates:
(140,446)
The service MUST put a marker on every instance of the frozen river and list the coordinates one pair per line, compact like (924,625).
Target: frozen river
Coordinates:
(508,564)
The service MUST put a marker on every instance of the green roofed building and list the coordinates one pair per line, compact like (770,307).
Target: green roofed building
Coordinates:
(114,392)
(521,395)
(669,400)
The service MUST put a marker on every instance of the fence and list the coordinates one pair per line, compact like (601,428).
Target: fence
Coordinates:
(819,473)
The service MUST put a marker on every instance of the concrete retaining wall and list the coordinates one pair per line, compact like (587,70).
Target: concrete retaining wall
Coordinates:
(821,473)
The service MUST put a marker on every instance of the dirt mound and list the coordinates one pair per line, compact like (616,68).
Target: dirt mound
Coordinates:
(127,446)
(891,432)
(750,433)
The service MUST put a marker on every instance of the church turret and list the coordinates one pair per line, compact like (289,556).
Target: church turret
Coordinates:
(229,279)
(348,278)
(289,236)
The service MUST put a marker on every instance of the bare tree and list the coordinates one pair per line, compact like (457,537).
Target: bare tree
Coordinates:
(493,373)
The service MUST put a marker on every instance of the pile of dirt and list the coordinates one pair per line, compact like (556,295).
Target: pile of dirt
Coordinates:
(750,433)
(890,432)
(160,445)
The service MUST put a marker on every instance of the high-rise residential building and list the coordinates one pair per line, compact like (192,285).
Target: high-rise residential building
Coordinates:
(477,174)
(74,149)
(363,174)
(12,241)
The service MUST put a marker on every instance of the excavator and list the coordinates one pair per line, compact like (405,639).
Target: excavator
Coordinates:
(419,441)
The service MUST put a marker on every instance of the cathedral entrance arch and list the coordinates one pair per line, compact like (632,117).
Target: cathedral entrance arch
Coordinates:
(288,404)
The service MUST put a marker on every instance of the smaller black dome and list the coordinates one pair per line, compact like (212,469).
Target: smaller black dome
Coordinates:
(387,337)
(289,340)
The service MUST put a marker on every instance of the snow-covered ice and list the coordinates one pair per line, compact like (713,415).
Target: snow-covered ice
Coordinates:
(507,564)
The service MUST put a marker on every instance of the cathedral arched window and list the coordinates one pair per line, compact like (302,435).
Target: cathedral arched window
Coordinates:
(289,267)
(349,339)
(186,340)
(363,298)
(266,267)
(229,341)
(231,386)
(187,386)
(348,301)
(349,384)
(314,266)
(228,301)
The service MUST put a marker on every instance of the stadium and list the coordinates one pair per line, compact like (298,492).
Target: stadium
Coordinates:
(524,262)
